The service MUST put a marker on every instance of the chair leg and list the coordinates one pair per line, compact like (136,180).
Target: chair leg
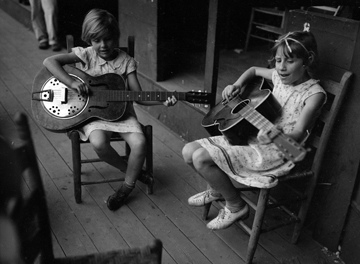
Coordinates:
(76,159)
(149,157)
(257,224)
(303,210)
(206,211)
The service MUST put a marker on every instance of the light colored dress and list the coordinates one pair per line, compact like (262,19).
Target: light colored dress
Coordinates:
(94,65)
(259,165)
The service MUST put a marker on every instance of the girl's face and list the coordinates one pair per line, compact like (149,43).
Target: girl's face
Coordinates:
(105,47)
(291,70)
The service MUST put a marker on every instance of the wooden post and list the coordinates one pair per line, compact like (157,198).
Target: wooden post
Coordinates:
(212,51)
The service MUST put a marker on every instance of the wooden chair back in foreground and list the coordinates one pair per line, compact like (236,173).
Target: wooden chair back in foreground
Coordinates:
(29,212)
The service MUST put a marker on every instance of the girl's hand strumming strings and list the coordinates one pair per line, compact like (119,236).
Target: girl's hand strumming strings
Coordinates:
(171,101)
(229,92)
(80,87)
(263,137)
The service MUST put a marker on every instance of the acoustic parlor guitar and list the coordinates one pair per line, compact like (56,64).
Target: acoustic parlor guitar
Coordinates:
(244,115)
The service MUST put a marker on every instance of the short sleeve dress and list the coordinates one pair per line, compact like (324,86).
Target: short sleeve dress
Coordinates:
(259,165)
(94,65)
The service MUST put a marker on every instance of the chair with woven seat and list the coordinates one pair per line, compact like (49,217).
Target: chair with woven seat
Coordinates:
(307,171)
(28,212)
(76,142)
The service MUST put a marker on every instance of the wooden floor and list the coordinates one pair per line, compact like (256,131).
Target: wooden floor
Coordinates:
(90,227)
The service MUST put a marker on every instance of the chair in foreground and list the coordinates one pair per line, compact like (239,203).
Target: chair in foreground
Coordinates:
(306,172)
(30,215)
(76,142)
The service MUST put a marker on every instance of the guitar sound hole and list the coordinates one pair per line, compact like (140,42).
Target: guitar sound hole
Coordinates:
(240,106)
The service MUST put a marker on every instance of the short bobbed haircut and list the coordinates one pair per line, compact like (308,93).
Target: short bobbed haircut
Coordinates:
(99,23)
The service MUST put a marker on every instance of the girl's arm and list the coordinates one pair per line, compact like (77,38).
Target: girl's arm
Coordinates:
(233,89)
(306,119)
(55,65)
(134,85)
(308,116)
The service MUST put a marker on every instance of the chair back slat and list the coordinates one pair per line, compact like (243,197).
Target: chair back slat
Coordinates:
(30,211)
(319,138)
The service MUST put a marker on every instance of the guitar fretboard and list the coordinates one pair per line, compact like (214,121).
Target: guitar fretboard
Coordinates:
(289,147)
(117,95)
(255,118)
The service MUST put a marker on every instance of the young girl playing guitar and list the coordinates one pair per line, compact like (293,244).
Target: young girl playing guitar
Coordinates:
(301,99)
(100,30)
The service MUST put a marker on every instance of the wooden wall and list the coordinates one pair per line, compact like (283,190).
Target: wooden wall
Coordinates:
(339,46)
(72,14)
(139,18)
(154,49)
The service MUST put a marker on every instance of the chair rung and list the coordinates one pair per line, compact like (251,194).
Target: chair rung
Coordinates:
(275,30)
(262,38)
(102,181)
(248,201)
(99,160)
(275,204)
(246,228)
(90,160)
(289,222)
(296,175)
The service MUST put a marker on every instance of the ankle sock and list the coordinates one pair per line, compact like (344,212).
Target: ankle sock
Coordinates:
(214,193)
(126,188)
(145,178)
(235,204)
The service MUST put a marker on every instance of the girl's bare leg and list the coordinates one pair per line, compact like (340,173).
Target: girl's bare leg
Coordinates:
(100,141)
(137,143)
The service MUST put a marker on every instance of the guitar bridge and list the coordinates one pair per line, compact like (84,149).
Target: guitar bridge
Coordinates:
(45,95)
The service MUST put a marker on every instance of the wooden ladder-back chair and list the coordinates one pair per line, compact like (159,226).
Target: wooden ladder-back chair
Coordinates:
(76,142)
(307,171)
(29,213)
(265,24)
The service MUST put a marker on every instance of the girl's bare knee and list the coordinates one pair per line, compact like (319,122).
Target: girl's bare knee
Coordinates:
(201,158)
(188,151)
(137,144)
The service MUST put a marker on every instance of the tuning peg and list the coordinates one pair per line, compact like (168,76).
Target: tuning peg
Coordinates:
(198,105)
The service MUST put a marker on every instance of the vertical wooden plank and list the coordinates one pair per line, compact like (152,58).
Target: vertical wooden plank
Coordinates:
(212,51)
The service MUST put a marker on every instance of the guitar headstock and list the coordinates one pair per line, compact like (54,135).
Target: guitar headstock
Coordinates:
(198,97)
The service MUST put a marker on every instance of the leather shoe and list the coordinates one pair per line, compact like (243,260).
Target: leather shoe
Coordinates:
(203,198)
(56,47)
(116,200)
(43,45)
(226,218)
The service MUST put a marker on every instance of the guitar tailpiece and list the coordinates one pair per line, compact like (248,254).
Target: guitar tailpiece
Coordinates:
(45,95)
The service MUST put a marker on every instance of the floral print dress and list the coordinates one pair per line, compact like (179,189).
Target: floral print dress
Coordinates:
(259,165)
(94,65)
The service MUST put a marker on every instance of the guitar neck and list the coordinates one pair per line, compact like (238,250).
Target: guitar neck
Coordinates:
(290,148)
(123,96)
(255,118)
